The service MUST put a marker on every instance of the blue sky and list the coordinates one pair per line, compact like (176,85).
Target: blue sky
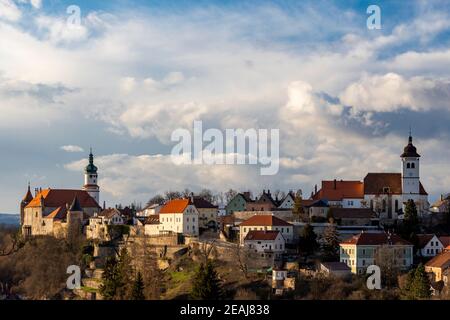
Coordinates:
(342,96)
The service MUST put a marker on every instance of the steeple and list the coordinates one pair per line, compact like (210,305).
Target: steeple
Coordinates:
(410,151)
(91,179)
(75,206)
(91,168)
(28,196)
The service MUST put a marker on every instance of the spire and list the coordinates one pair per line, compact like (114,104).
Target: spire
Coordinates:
(91,168)
(75,206)
(410,135)
(410,151)
(28,196)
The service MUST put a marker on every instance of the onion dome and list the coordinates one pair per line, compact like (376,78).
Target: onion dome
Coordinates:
(410,151)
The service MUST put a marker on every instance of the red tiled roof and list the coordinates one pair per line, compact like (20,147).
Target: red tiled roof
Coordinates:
(445,240)
(374,183)
(153,219)
(109,213)
(442,260)
(335,190)
(256,235)
(423,239)
(175,206)
(59,213)
(264,220)
(199,202)
(55,198)
(373,239)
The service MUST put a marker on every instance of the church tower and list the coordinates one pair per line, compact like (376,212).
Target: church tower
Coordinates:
(91,179)
(25,201)
(410,170)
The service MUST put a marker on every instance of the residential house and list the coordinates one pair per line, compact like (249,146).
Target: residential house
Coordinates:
(238,203)
(316,208)
(438,265)
(265,242)
(265,223)
(336,269)
(362,250)
(150,210)
(429,245)
(207,213)
(346,194)
(441,205)
(98,224)
(354,216)
(287,202)
(264,203)
(179,216)
(152,226)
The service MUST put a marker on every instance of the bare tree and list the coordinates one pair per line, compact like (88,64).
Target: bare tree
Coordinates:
(10,241)
(230,194)
(242,255)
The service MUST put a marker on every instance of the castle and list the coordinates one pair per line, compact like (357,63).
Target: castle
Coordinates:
(58,212)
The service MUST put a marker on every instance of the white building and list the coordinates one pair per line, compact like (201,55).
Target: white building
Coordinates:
(150,210)
(179,216)
(265,242)
(288,201)
(429,245)
(264,222)
(98,224)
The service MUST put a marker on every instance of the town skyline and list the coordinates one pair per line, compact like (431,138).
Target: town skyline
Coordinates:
(342,96)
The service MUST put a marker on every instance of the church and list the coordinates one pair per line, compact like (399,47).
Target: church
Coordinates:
(385,193)
(57,212)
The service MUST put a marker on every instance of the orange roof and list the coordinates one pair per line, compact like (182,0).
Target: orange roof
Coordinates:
(59,213)
(55,198)
(335,190)
(374,239)
(442,260)
(175,206)
(264,220)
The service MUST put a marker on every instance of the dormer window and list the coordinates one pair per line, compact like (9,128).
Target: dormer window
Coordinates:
(386,190)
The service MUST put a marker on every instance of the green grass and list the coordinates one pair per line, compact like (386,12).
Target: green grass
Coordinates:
(88,289)
(180,276)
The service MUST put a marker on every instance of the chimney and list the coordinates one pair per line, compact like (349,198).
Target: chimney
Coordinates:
(442,197)
(335,184)
(104,204)
(268,192)
(192,197)
(315,188)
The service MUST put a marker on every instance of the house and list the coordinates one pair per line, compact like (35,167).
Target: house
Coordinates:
(316,208)
(264,203)
(441,205)
(150,210)
(287,202)
(362,250)
(429,245)
(265,242)
(152,226)
(353,216)
(281,281)
(178,216)
(265,223)
(238,203)
(208,213)
(438,265)
(336,269)
(98,224)
(347,194)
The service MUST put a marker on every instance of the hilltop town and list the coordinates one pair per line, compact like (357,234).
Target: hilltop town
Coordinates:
(248,246)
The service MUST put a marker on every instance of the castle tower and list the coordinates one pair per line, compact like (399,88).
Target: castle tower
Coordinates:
(25,201)
(91,179)
(410,170)
(74,218)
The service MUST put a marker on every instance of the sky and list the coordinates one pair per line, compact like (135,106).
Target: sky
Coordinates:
(132,72)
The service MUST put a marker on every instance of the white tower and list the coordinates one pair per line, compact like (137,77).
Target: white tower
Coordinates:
(410,171)
(91,179)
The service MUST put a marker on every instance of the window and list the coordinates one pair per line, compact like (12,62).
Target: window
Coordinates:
(363,262)
(413,165)
(384,204)
(408,165)
(396,205)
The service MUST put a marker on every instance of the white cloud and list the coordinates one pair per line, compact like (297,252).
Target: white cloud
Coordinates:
(391,92)
(72,148)
(9,10)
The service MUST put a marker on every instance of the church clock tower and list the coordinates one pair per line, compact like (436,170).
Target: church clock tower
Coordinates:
(91,179)
(410,170)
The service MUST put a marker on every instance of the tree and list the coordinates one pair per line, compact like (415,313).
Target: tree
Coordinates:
(124,273)
(242,256)
(297,210)
(230,194)
(386,258)
(206,284)
(137,292)
(406,290)
(410,221)
(110,282)
(157,199)
(331,243)
(171,195)
(207,195)
(308,240)
(421,286)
